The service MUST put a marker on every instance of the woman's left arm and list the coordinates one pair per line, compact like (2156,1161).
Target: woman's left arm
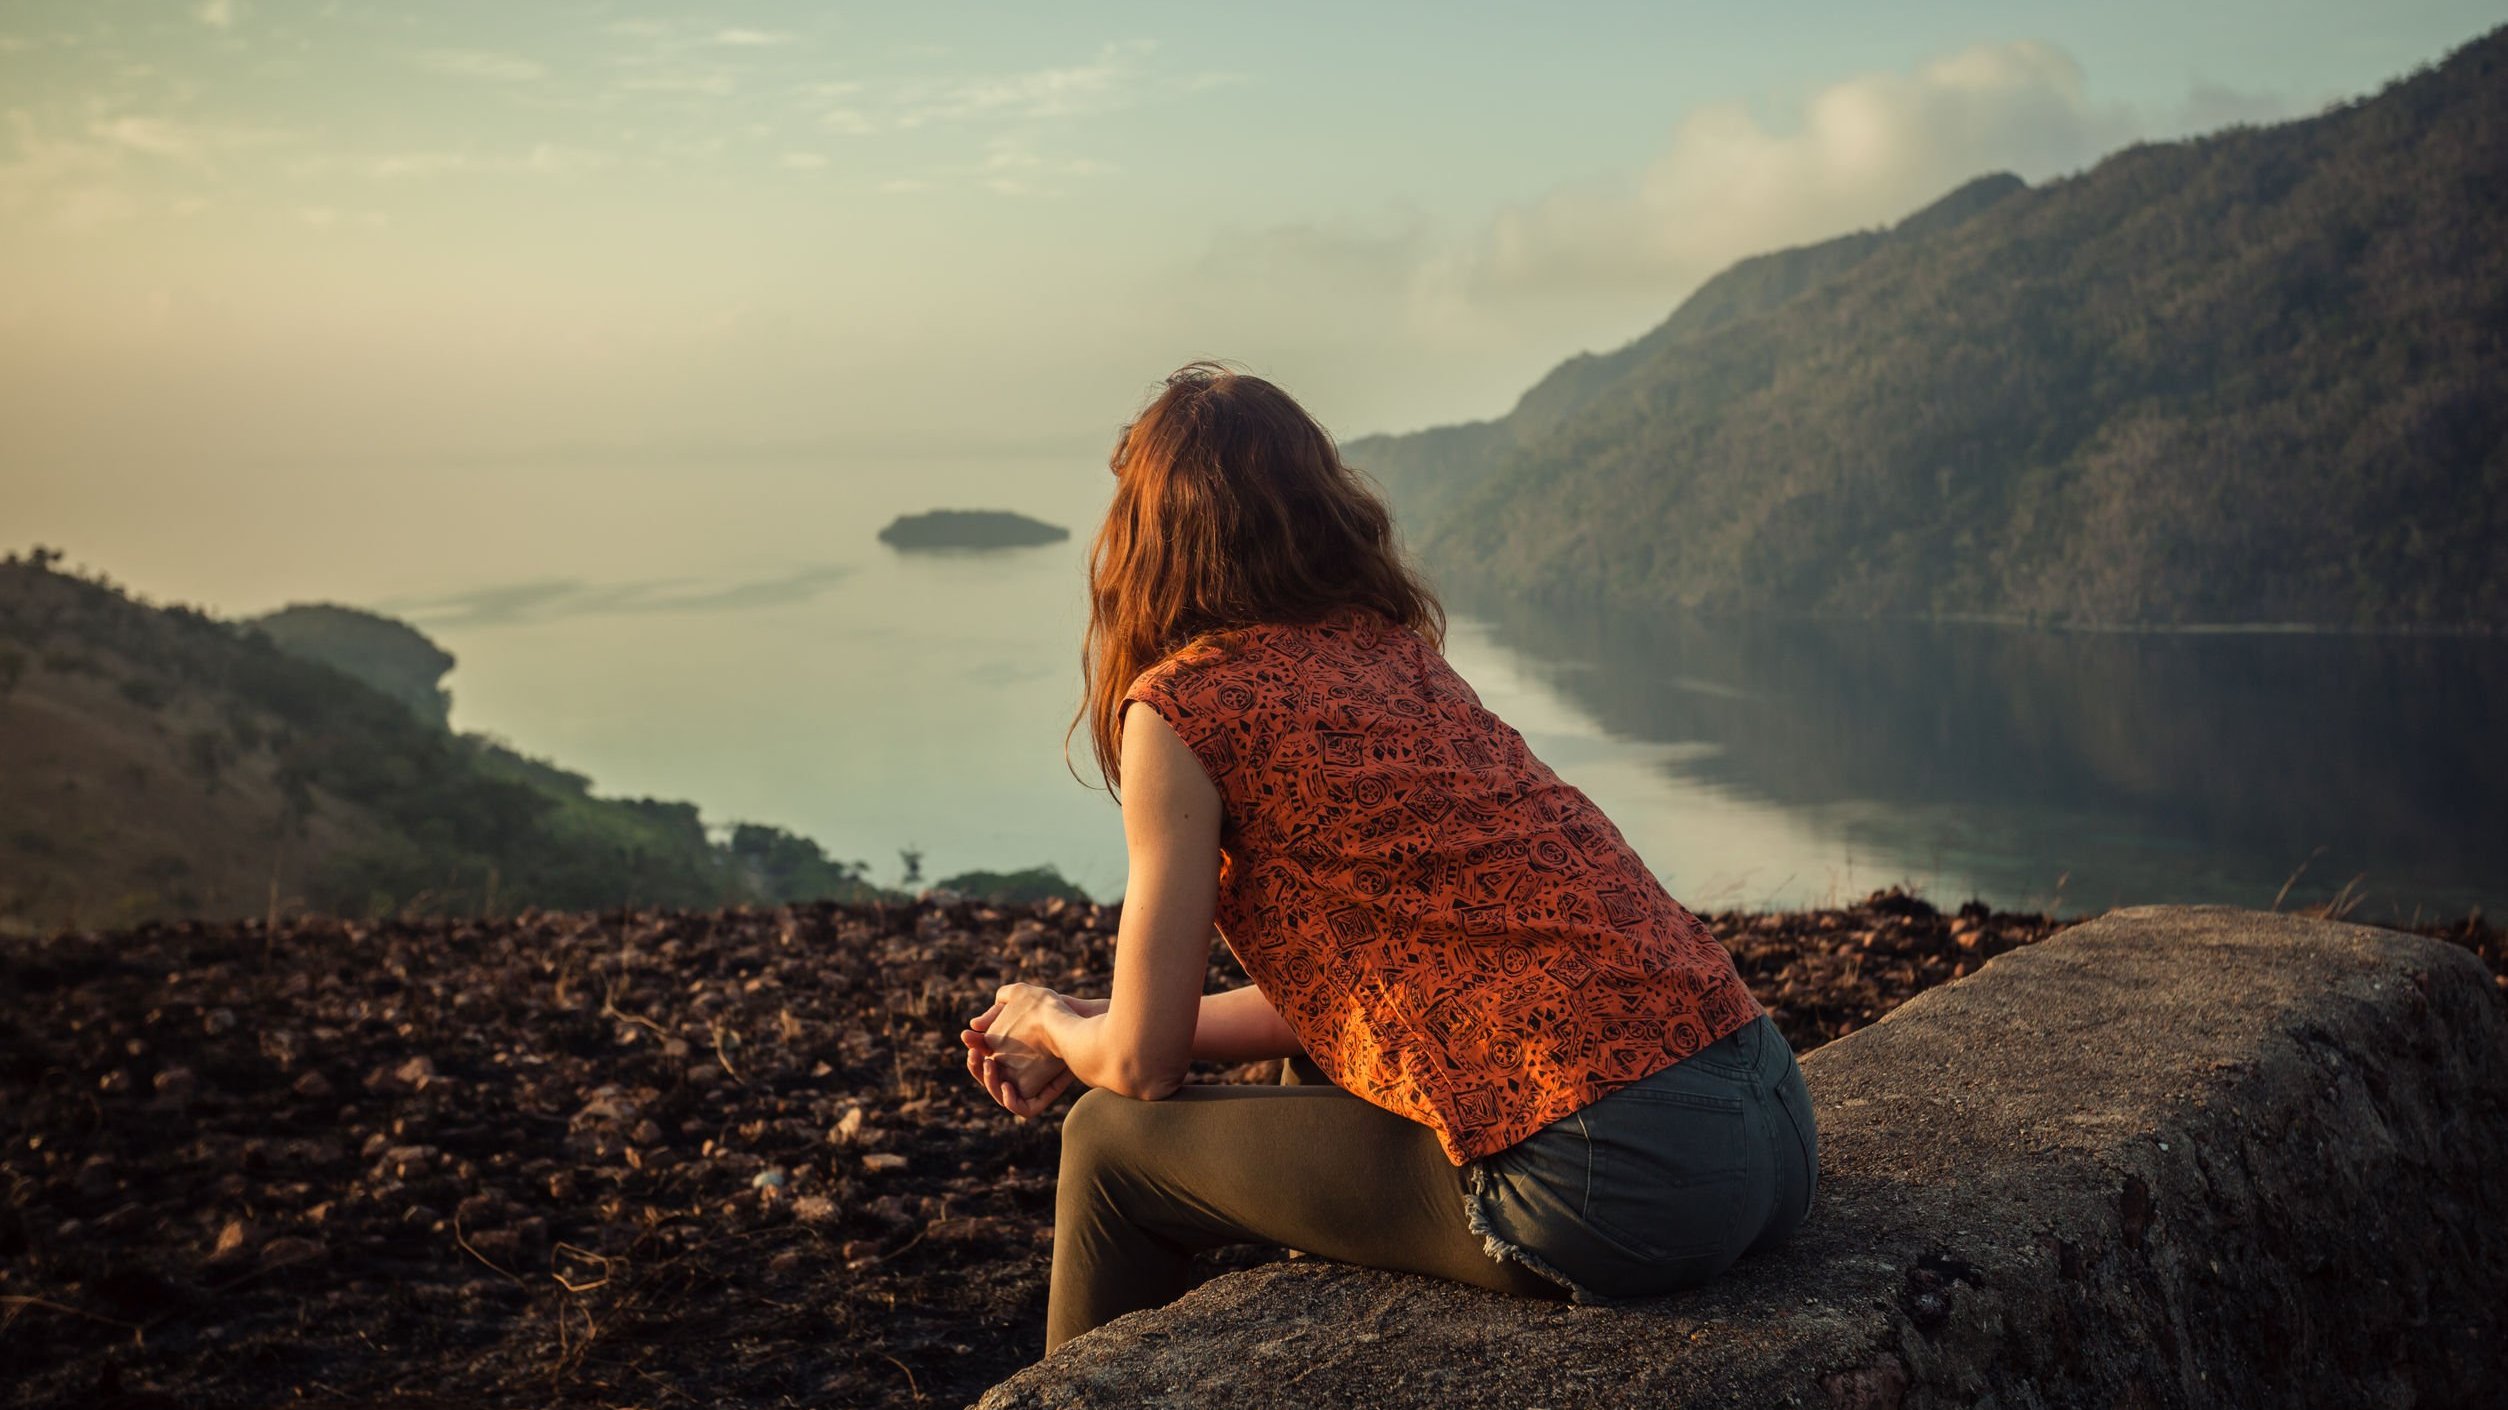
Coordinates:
(1142,1043)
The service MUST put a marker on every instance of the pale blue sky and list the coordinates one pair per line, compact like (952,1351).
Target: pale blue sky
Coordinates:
(248,232)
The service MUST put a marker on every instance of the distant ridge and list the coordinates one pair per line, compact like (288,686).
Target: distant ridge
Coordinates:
(2251,377)
(1429,470)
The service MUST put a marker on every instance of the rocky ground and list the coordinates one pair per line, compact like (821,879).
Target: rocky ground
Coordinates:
(646,1158)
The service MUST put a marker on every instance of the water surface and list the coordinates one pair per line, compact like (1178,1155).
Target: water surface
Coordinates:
(877,700)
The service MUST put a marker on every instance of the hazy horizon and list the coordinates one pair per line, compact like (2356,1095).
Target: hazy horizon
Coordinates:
(277,274)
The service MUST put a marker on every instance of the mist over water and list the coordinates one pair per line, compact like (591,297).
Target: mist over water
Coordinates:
(873,700)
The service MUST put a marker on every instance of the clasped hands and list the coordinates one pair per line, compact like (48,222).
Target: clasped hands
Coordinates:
(1004,1052)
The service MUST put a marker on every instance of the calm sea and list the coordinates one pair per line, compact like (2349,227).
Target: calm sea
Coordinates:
(754,649)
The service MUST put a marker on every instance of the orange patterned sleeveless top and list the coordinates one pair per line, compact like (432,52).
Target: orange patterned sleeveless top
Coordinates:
(1453,932)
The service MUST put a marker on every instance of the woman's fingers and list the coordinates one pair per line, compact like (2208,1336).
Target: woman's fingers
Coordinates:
(983,1020)
(1046,1098)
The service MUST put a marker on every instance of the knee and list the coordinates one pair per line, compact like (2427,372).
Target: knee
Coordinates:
(1099,1126)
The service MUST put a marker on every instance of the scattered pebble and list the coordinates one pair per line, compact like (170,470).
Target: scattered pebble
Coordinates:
(563,1185)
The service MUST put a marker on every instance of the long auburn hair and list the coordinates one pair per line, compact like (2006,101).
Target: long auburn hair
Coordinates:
(1232,509)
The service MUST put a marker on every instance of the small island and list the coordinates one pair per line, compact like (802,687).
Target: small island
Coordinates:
(970,528)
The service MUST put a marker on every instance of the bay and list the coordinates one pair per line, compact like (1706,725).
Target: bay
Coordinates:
(880,700)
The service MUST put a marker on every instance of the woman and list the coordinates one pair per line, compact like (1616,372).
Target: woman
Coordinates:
(1551,1079)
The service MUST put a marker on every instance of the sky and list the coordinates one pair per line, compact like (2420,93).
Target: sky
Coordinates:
(266,240)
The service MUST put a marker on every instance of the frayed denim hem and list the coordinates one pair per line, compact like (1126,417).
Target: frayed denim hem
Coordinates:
(1477,1220)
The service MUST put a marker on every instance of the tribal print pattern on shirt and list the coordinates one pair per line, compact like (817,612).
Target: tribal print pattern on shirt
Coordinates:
(1454,933)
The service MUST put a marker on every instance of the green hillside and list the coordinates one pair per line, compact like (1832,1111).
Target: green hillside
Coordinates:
(2256,376)
(163,763)
(390,655)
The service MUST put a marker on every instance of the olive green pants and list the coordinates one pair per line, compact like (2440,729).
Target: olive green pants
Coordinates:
(1659,1184)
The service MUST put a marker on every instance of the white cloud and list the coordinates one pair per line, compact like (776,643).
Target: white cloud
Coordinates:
(849,122)
(558,158)
(395,165)
(1725,185)
(1011,167)
(802,161)
(486,64)
(1487,304)
(750,38)
(2209,106)
(217,14)
(154,136)
(685,82)
(543,158)
(1113,79)
(84,179)
(1864,151)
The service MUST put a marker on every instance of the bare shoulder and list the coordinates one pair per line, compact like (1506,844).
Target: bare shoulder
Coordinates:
(1153,749)
(1169,801)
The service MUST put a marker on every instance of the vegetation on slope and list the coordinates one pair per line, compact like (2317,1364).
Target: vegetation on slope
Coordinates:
(2255,376)
(169,763)
(384,652)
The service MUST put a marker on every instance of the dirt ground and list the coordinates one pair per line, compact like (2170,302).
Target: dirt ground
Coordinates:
(628,1158)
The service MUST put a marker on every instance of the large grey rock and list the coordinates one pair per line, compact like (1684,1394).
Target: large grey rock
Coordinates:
(2176,1155)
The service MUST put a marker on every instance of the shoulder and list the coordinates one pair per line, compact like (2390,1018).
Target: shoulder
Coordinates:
(1182,671)
(1210,662)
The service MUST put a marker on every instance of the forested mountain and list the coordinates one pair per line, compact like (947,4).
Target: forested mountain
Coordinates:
(1428,471)
(161,762)
(2259,376)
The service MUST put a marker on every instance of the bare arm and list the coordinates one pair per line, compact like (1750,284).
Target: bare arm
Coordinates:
(1240,1025)
(1150,1030)
(1234,1025)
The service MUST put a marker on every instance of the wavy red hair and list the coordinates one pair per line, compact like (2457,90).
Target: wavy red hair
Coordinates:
(1232,509)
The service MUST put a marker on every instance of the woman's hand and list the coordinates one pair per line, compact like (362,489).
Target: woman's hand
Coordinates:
(1006,1054)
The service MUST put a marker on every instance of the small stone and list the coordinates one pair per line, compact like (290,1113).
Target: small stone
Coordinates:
(233,1242)
(217,1021)
(407,1162)
(814,1209)
(847,1128)
(312,1085)
(290,1250)
(771,1180)
(883,1162)
(176,1086)
(417,1074)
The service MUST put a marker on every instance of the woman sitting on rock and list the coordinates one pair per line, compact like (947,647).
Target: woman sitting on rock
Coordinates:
(1550,1078)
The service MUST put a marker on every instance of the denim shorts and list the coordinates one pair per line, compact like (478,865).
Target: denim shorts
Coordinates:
(1662,1183)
